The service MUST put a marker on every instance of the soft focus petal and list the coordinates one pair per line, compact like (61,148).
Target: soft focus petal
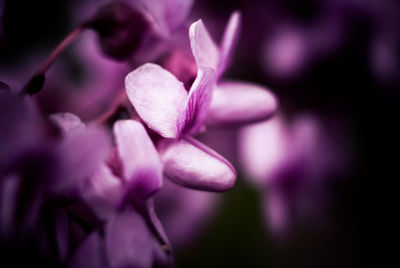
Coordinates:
(194,165)
(276,212)
(263,147)
(81,153)
(286,52)
(67,121)
(238,103)
(198,101)
(204,50)
(158,97)
(142,168)
(168,14)
(129,242)
(228,41)
(320,150)
(90,254)
(102,192)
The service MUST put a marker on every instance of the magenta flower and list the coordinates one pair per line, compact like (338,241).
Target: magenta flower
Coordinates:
(291,165)
(167,15)
(134,29)
(119,194)
(127,242)
(164,105)
(42,164)
(232,102)
(132,173)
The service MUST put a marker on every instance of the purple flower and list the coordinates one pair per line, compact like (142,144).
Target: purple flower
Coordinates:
(131,29)
(232,102)
(41,167)
(292,164)
(117,192)
(164,105)
(127,242)
(167,15)
(135,174)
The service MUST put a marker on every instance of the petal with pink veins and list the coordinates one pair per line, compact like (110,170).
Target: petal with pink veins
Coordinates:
(198,101)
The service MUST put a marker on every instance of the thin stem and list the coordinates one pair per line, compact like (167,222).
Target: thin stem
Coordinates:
(59,49)
(146,209)
(39,74)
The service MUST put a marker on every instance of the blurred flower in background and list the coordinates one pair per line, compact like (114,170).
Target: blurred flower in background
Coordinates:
(293,165)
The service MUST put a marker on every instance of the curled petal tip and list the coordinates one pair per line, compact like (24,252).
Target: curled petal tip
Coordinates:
(229,41)
(204,49)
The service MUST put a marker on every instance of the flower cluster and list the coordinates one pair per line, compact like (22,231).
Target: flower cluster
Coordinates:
(78,189)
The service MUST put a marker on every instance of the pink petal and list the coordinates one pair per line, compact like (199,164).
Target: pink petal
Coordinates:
(82,151)
(141,165)
(67,121)
(229,41)
(102,192)
(277,212)
(238,103)
(158,97)
(204,50)
(167,14)
(263,148)
(194,165)
(198,101)
(129,242)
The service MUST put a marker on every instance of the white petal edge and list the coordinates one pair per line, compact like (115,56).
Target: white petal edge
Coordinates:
(158,97)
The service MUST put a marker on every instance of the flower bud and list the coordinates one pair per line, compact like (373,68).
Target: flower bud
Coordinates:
(121,29)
